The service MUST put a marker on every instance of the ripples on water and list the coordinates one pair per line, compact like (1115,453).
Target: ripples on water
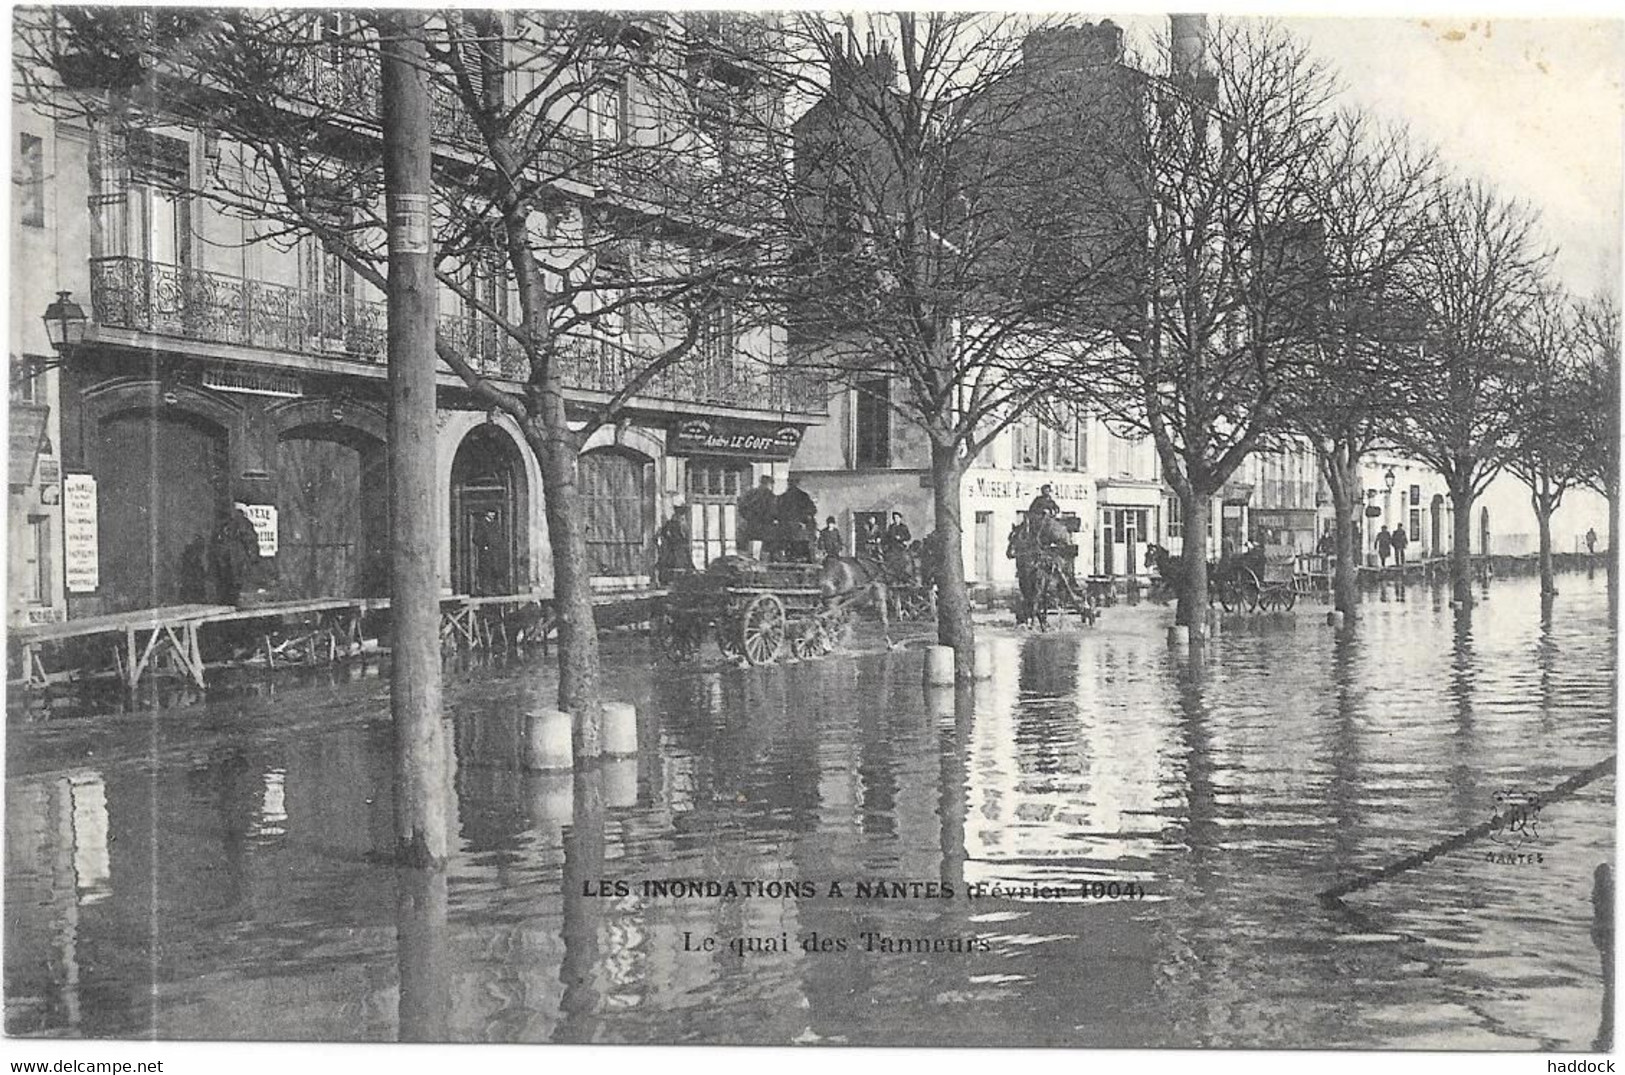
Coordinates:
(213,872)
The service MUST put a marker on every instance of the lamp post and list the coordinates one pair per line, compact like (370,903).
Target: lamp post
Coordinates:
(65,322)
(1388,480)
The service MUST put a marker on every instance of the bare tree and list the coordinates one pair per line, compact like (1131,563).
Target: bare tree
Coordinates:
(1370,196)
(1597,345)
(1547,450)
(580,220)
(1220,311)
(934,235)
(1475,278)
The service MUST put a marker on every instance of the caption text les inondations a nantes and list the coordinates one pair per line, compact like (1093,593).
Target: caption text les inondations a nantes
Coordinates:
(688,888)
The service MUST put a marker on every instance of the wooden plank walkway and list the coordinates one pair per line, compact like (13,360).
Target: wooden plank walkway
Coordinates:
(145,641)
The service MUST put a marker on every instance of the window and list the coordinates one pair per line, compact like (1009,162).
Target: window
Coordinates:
(1416,519)
(713,491)
(37,558)
(1066,456)
(872,421)
(31,180)
(1025,453)
(1176,521)
(28,381)
(160,210)
(617,512)
(1416,496)
(1046,444)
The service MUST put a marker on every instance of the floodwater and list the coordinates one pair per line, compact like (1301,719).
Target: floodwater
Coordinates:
(214,872)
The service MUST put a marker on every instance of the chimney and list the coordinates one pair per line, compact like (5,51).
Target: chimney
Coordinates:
(1187,61)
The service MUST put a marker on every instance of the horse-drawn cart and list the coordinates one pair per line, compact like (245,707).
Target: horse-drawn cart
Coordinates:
(1270,582)
(752,610)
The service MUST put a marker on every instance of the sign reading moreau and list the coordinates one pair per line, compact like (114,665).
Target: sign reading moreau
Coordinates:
(81,555)
(716,436)
(1022,490)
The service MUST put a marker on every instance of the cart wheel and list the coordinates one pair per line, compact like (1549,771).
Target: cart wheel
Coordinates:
(761,629)
(1289,599)
(1252,592)
(811,640)
(1229,596)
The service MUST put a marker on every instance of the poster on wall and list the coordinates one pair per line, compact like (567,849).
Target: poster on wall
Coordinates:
(263,516)
(81,559)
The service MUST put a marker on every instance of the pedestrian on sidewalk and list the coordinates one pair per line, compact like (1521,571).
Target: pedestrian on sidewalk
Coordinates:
(1385,545)
(1399,541)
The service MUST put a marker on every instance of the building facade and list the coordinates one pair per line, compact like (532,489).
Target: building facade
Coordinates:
(221,364)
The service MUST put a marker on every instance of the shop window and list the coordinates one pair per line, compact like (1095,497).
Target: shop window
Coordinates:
(31,180)
(873,423)
(713,492)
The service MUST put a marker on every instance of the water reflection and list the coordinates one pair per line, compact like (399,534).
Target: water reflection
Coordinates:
(225,873)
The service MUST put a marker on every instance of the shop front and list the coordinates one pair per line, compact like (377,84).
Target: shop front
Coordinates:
(714,462)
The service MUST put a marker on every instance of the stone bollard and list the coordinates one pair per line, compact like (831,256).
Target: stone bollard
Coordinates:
(620,737)
(552,801)
(983,660)
(547,740)
(939,702)
(620,782)
(939,666)
(1179,635)
(1334,618)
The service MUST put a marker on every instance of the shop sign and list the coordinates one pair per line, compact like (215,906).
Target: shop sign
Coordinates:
(263,516)
(54,614)
(1021,490)
(81,553)
(715,436)
(254,382)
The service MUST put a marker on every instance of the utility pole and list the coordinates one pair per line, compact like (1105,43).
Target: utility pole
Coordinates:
(414,684)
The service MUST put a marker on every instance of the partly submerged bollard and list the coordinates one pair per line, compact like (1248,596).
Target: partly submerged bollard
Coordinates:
(1179,635)
(552,800)
(939,666)
(1334,618)
(982,655)
(547,740)
(620,782)
(939,702)
(620,729)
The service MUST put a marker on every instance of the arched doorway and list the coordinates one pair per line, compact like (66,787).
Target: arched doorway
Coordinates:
(617,504)
(332,513)
(489,551)
(162,490)
(1484,531)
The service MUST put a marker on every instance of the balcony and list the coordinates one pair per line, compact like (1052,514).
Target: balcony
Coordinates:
(210,307)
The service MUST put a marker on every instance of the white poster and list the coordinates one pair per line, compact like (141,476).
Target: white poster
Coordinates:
(81,553)
(263,516)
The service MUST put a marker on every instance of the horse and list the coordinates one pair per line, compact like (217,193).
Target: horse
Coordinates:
(851,582)
(1036,546)
(1170,571)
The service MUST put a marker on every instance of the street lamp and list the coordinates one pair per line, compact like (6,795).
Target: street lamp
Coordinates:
(65,322)
(1388,497)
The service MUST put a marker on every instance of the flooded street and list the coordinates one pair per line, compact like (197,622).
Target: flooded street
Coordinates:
(214,871)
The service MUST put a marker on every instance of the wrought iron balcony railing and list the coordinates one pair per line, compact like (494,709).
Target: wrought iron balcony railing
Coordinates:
(195,304)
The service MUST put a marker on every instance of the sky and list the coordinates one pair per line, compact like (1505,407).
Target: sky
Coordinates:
(1535,107)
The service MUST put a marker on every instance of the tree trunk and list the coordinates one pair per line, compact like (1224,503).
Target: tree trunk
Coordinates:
(1342,471)
(954,627)
(556,452)
(1544,503)
(414,695)
(1192,608)
(1461,561)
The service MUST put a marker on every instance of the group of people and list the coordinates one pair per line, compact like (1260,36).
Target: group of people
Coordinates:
(783,527)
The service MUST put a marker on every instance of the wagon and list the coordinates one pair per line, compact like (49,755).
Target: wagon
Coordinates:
(1273,584)
(751,610)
